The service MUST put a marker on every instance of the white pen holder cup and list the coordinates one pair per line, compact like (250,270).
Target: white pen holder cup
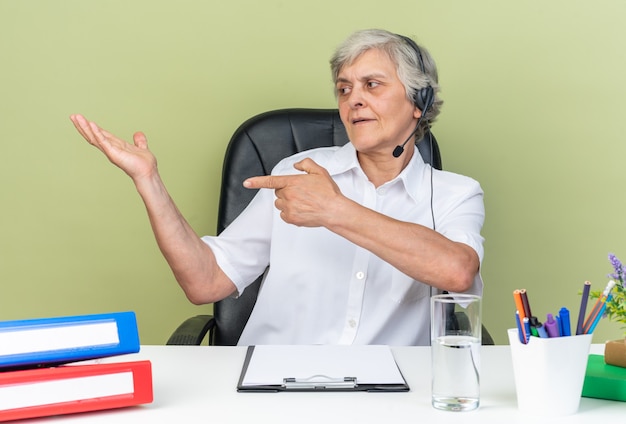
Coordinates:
(549,373)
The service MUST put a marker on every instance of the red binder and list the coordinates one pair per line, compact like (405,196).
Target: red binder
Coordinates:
(74,388)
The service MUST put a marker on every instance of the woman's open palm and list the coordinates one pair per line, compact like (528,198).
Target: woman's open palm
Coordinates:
(134,159)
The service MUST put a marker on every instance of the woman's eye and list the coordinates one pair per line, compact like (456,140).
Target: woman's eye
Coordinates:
(343,90)
(373,84)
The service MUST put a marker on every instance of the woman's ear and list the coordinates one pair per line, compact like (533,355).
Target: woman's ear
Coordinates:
(417,113)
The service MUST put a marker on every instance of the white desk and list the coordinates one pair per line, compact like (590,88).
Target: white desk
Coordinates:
(197,384)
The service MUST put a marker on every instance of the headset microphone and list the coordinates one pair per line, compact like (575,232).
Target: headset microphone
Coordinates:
(398,150)
(400,147)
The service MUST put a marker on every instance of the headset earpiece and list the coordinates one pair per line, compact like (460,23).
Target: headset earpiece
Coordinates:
(424,98)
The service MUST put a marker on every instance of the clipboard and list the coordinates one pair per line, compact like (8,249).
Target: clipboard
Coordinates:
(332,368)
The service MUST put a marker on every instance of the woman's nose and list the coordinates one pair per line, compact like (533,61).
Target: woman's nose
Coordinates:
(356,99)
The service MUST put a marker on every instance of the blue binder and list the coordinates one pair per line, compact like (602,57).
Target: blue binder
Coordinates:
(59,340)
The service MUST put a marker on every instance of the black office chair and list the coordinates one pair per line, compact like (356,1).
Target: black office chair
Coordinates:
(254,149)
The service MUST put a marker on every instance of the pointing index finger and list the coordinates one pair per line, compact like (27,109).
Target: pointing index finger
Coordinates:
(269,181)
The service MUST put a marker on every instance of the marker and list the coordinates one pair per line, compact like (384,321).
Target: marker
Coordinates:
(551,326)
(583,307)
(525,304)
(533,331)
(566,329)
(597,320)
(542,332)
(596,308)
(520,332)
(517,296)
(534,326)
(527,329)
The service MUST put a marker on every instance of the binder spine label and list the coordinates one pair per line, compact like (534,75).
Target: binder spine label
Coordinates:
(41,393)
(35,339)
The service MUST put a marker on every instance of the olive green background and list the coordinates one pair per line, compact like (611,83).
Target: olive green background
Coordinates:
(534,109)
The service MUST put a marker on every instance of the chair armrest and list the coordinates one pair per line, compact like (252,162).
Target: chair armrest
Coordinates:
(463,323)
(192,331)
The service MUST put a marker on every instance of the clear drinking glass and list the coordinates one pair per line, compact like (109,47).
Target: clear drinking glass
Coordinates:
(455,348)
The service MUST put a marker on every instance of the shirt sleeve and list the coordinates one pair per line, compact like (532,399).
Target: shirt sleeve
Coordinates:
(242,250)
(460,214)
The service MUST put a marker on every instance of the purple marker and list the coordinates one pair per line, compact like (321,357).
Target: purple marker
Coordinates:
(552,327)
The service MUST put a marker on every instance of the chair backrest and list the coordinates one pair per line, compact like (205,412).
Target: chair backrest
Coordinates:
(254,149)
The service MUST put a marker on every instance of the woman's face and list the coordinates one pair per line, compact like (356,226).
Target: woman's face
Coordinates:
(373,104)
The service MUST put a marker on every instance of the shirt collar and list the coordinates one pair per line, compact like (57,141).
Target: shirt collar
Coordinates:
(345,159)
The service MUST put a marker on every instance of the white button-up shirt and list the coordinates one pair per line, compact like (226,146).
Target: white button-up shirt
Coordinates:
(323,289)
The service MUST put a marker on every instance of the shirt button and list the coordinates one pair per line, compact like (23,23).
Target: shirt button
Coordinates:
(352,323)
(382,191)
(360,275)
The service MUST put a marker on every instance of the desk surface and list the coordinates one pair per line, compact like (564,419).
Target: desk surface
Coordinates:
(197,384)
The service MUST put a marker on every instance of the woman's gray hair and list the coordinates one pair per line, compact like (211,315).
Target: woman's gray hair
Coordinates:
(407,65)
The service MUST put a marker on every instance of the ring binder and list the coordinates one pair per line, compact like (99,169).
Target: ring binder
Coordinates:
(57,340)
(320,382)
(70,389)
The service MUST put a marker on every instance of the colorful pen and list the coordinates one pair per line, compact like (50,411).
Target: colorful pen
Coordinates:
(596,308)
(583,307)
(566,329)
(526,305)
(602,309)
(551,326)
(526,322)
(542,332)
(517,296)
(520,332)
(534,326)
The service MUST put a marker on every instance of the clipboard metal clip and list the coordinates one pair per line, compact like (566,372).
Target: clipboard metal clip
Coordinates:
(319,382)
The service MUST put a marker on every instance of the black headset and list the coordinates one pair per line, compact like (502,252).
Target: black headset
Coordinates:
(424,97)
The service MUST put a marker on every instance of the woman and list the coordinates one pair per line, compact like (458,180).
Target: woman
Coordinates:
(348,232)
